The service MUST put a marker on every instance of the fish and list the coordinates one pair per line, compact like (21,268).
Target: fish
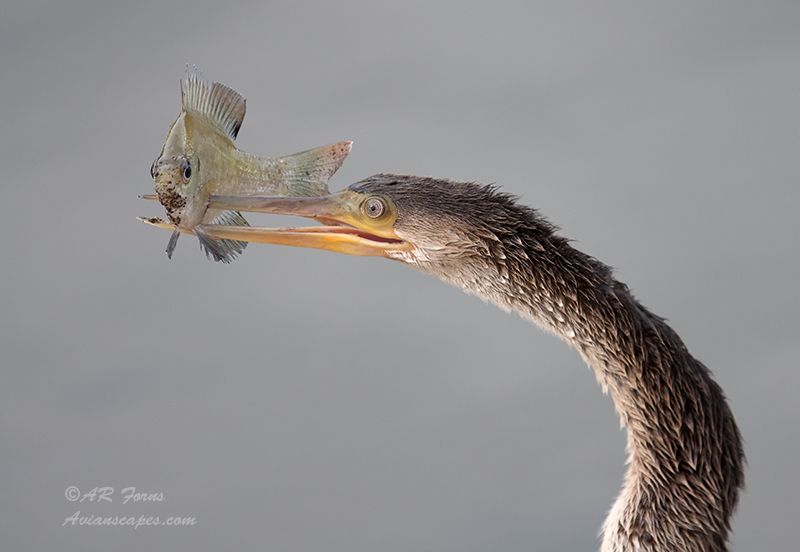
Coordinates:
(199,158)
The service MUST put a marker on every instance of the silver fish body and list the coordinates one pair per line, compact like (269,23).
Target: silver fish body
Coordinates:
(199,159)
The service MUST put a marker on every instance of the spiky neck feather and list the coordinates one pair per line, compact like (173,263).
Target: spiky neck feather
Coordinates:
(685,452)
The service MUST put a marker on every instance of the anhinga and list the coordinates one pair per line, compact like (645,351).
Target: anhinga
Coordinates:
(685,451)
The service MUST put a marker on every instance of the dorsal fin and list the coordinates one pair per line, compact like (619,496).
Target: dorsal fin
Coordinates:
(221,106)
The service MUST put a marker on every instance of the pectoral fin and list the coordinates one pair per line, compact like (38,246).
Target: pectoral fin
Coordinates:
(220,250)
(223,250)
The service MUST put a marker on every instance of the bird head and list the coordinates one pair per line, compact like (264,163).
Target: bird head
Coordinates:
(431,223)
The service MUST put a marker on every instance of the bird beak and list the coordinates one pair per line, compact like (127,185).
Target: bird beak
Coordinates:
(345,228)
(163,224)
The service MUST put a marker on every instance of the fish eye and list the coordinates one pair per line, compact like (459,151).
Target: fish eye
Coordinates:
(187,171)
(374,207)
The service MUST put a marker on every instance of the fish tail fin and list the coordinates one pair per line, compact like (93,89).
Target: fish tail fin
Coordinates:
(307,173)
(224,251)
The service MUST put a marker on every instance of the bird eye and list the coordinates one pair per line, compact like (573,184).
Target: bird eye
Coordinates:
(187,171)
(374,207)
(153,171)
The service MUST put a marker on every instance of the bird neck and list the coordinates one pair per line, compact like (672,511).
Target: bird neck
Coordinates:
(685,456)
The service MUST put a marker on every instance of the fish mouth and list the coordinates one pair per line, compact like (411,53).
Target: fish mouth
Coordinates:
(172,201)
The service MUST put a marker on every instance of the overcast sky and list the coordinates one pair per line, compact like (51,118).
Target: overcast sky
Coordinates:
(298,400)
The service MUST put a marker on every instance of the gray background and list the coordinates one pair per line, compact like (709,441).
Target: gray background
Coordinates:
(299,400)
